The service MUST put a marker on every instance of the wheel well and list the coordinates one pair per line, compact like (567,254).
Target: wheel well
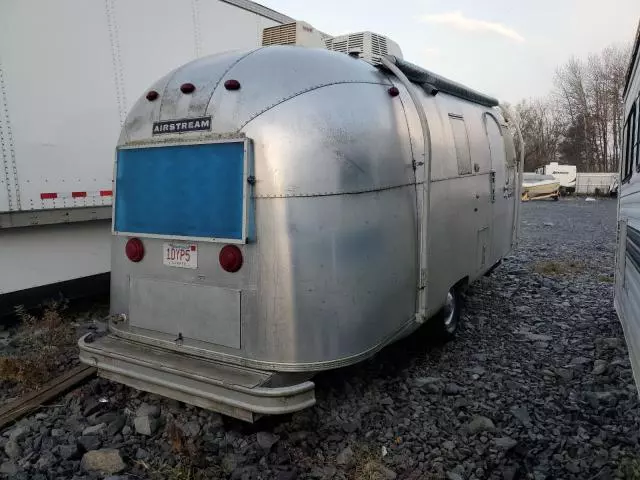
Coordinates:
(462,284)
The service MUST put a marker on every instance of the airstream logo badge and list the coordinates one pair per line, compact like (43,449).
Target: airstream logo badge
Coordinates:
(198,124)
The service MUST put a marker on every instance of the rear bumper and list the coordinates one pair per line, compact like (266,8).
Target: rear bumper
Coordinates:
(235,391)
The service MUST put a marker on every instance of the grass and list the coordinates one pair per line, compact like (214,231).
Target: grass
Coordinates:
(39,342)
(631,469)
(367,464)
(605,279)
(553,268)
(189,460)
(158,471)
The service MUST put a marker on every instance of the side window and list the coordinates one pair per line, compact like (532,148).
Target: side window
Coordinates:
(629,141)
(635,150)
(462,144)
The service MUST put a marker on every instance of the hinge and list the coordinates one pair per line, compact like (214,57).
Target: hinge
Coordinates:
(423,278)
(492,185)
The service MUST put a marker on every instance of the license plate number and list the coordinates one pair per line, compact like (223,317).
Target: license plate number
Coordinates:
(183,255)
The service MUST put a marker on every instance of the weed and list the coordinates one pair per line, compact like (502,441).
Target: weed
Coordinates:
(631,468)
(182,470)
(552,268)
(40,341)
(605,279)
(367,464)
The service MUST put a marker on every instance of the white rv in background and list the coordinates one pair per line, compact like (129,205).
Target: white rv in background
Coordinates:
(70,70)
(627,285)
(565,174)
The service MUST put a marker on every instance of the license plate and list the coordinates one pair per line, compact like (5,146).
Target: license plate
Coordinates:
(183,255)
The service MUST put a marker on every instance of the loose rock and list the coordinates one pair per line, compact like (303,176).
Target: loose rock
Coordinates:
(266,440)
(481,424)
(8,468)
(95,430)
(105,461)
(68,451)
(147,410)
(116,426)
(145,425)
(45,462)
(505,443)
(192,429)
(345,457)
(90,442)
(522,415)
(18,433)
(12,449)
(599,367)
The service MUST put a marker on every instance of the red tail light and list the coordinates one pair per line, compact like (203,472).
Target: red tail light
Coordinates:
(230,258)
(134,249)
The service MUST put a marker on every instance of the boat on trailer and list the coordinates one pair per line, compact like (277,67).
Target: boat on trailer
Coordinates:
(536,186)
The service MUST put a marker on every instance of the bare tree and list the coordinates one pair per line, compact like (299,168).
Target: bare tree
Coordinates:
(589,94)
(542,128)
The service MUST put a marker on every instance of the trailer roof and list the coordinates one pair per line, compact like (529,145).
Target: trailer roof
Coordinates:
(260,10)
(634,58)
(425,77)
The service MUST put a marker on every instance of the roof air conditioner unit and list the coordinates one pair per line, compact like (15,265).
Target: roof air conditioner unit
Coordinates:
(367,45)
(298,33)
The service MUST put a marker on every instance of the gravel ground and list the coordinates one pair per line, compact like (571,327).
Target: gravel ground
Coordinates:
(537,386)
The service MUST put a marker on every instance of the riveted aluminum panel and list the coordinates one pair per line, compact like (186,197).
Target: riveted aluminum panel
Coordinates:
(298,70)
(204,312)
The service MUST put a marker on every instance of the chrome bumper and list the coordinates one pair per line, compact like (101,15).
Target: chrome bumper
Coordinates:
(231,390)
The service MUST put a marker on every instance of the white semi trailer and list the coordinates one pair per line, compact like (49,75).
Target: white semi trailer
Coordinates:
(70,70)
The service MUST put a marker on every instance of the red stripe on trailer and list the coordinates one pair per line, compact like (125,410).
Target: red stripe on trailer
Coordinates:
(48,196)
(106,193)
(78,194)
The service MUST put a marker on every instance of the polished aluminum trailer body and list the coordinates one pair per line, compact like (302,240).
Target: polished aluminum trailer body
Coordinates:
(334,182)
(627,284)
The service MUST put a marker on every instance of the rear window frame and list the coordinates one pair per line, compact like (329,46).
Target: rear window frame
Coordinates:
(246,189)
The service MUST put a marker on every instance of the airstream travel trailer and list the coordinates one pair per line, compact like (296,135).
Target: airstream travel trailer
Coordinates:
(627,285)
(286,210)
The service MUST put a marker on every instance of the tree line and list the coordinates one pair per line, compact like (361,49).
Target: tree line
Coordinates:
(580,121)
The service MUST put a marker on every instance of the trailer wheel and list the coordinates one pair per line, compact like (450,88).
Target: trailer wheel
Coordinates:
(448,319)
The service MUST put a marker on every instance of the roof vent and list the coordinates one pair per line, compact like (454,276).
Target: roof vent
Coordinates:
(298,33)
(367,45)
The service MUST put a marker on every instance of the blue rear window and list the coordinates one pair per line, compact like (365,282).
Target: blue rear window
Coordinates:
(186,190)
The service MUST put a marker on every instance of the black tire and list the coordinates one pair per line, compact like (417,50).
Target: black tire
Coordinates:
(447,322)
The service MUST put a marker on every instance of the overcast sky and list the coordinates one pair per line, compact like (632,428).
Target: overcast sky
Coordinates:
(506,48)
